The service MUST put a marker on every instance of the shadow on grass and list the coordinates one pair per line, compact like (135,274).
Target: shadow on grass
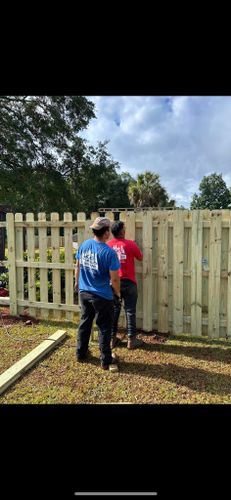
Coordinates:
(202,339)
(204,353)
(194,378)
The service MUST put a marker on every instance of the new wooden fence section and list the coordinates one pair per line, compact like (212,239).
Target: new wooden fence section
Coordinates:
(184,281)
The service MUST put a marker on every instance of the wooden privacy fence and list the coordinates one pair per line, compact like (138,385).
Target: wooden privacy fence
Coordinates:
(184,281)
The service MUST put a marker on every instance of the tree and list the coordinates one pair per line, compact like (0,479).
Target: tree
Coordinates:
(46,166)
(214,194)
(37,134)
(118,191)
(93,179)
(147,191)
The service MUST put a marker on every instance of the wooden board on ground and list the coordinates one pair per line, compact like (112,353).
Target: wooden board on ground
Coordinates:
(15,371)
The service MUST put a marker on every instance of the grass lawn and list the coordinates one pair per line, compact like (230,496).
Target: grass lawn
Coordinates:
(183,369)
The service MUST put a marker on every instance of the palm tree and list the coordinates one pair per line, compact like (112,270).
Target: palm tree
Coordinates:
(147,191)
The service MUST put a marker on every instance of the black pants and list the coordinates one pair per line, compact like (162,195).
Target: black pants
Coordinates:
(95,306)
(128,291)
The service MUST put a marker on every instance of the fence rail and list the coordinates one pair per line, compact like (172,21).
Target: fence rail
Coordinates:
(184,281)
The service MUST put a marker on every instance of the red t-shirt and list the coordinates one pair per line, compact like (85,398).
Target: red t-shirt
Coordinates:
(127,251)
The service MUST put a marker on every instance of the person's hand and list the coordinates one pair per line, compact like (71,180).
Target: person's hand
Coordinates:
(76,288)
(117,297)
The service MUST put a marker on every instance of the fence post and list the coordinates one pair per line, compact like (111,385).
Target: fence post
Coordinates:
(12,263)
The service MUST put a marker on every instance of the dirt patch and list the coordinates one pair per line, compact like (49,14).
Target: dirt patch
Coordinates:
(153,337)
(7,319)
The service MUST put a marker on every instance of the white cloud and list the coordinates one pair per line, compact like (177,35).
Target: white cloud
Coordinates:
(182,138)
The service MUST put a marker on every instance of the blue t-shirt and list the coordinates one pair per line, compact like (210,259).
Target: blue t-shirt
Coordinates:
(96,260)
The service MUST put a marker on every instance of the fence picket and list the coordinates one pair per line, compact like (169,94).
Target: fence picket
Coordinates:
(229,283)
(129,221)
(69,284)
(178,250)
(147,271)
(163,326)
(19,256)
(30,258)
(81,217)
(196,275)
(56,273)
(214,274)
(110,216)
(43,258)
(11,263)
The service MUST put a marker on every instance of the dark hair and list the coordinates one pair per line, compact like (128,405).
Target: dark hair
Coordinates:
(117,227)
(100,232)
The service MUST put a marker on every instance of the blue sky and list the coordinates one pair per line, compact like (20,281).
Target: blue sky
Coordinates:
(182,138)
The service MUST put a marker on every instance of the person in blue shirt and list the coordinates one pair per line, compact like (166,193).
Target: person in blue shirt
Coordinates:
(96,277)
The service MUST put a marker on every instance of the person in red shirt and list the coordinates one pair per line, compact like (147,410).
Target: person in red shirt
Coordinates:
(127,251)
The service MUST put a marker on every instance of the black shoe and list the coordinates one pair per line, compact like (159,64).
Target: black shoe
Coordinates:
(83,357)
(113,367)
(134,343)
(114,342)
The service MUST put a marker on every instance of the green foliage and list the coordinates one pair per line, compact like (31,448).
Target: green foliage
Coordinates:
(147,191)
(214,194)
(4,278)
(36,134)
(94,181)
(46,166)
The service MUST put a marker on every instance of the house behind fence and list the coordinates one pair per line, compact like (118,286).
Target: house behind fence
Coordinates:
(184,281)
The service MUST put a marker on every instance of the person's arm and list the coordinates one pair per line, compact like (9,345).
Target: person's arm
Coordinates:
(115,282)
(77,276)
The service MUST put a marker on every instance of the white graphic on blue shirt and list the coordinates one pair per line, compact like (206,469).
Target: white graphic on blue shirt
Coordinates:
(89,259)
(120,252)
(96,261)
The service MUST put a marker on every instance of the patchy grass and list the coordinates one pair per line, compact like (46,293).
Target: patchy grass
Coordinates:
(183,369)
